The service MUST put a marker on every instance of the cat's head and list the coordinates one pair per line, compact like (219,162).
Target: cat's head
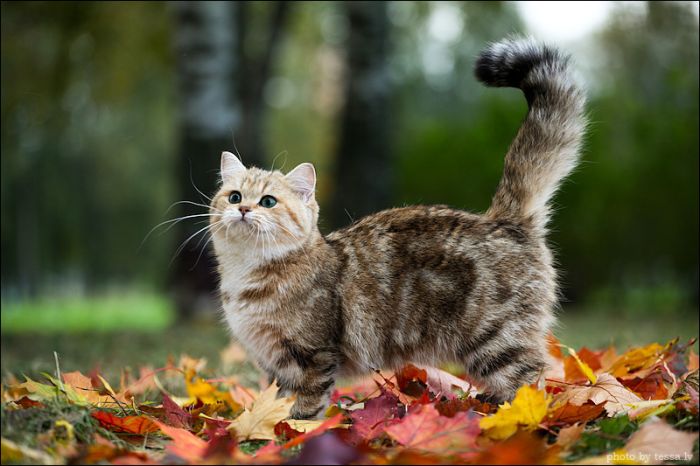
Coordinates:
(265,210)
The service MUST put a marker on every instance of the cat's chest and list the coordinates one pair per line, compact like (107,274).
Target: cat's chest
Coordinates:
(252,322)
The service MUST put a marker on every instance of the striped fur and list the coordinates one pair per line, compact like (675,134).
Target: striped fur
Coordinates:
(426,284)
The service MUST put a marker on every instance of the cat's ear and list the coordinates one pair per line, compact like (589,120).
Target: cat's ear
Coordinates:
(230,165)
(303,181)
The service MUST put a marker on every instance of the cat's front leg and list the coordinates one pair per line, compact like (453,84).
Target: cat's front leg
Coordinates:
(310,381)
(312,400)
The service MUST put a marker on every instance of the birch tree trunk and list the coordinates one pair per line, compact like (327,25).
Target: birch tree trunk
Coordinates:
(221,90)
(205,45)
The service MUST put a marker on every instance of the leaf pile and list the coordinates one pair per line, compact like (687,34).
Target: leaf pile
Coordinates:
(591,407)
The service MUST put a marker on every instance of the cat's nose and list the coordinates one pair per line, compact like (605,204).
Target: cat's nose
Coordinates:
(244,210)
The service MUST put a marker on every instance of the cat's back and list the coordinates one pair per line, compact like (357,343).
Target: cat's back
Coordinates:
(424,231)
(412,273)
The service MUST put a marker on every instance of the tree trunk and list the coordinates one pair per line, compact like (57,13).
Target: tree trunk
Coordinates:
(205,42)
(363,166)
(221,89)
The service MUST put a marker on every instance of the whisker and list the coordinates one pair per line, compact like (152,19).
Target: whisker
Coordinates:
(176,221)
(184,243)
(194,185)
(211,237)
(285,153)
(191,203)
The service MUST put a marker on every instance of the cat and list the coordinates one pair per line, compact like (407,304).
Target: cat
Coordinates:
(425,284)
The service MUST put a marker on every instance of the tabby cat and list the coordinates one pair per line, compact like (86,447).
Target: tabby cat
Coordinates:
(425,284)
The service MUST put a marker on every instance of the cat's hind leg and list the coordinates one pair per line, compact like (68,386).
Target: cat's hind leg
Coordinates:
(501,371)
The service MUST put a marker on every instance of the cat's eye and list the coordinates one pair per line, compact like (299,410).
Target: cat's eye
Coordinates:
(234,197)
(268,201)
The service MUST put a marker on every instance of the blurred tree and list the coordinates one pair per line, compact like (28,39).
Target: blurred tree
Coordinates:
(221,82)
(629,217)
(363,170)
(207,66)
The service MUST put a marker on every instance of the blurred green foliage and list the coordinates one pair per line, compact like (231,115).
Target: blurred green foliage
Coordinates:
(116,309)
(89,126)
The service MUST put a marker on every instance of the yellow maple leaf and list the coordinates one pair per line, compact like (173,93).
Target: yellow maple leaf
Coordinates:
(259,422)
(198,388)
(527,411)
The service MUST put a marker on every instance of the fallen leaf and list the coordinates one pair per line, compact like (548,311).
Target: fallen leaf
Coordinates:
(190,364)
(140,425)
(571,414)
(656,442)
(692,360)
(307,425)
(651,387)
(176,416)
(575,368)
(326,449)
(88,393)
(521,448)
(569,435)
(199,389)
(440,383)
(527,411)
(607,389)
(378,413)
(259,422)
(185,444)
(449,408)
(424,429)
(635,359)
(331,423)
(233,354)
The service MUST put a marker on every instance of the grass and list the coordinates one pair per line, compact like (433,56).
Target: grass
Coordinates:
(601,327)
(133,330)
(129,310)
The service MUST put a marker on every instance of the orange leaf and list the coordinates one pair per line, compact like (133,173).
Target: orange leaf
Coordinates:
(554,346)
(574,365)
(522,448)
(424,429)
(185,444)
(128,424)
(636,359)
(692,360)
(573,368)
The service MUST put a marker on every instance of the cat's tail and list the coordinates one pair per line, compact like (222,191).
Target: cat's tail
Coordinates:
(546,147)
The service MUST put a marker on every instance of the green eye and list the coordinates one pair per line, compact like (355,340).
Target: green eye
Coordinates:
(268,201)
(234,197)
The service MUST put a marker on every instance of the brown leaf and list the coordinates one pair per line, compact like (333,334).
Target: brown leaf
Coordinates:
(606,390)
(571,414)
(651,387)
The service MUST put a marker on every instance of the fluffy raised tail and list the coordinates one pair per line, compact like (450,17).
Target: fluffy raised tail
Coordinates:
(546,147)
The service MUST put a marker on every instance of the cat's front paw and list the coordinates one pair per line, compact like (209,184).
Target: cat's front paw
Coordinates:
(298,414)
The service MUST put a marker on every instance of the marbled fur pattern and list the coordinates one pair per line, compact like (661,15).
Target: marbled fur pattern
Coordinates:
(425,284)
